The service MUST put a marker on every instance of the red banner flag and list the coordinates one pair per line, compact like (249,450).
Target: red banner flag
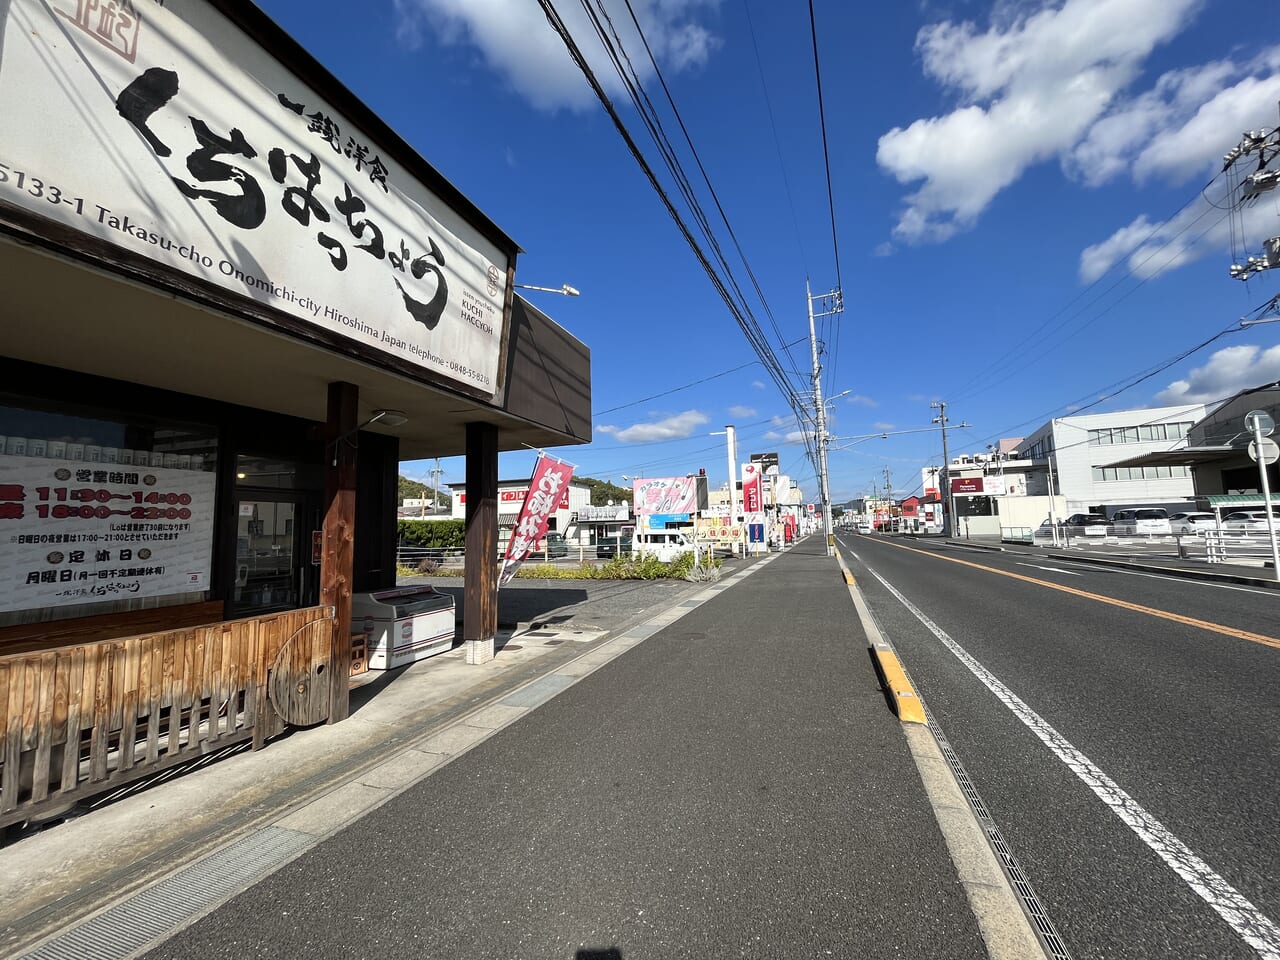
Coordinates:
(547,486)
(752,501)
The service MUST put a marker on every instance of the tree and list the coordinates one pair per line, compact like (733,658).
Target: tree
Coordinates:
(602,491)
(416,490)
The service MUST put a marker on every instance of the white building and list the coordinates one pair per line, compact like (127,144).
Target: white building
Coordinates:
(1078,451)
(574,498)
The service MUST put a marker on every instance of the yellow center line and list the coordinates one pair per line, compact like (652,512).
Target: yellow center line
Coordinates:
(1136,607)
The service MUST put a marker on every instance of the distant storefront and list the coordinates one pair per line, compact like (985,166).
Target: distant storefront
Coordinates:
(511,496)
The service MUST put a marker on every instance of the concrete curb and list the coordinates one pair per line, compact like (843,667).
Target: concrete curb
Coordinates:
(905,701)
(844,569)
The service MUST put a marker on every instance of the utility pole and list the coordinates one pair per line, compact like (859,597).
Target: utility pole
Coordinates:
(941,420)
(731,441)
(888,495)
(831,303)
(948,528)
(1262,149)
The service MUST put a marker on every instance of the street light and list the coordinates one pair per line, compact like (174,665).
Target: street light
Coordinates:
(565,290)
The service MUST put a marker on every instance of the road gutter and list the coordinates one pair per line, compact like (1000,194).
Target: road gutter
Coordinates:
(1000,913)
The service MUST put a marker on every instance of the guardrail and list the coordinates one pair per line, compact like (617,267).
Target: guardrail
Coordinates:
(1222,545)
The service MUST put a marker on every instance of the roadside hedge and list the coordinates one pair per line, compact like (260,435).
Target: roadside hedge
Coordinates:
(446,534)
(619,568)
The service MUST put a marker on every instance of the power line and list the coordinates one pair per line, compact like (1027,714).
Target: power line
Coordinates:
(826,154)
(833,324)
(613,46)
(773,126)
(701,169)
(741,314)
(985,379)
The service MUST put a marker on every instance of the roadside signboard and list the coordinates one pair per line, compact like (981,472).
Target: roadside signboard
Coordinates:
(1269,453)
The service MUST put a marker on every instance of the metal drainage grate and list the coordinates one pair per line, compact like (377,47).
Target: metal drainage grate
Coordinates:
(155,913)
(1045,930)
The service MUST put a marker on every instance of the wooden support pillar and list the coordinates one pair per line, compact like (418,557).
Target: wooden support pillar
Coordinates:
(338,559)
(480,603)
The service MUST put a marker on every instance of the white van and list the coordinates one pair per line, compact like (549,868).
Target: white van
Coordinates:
(1147,521)
(665,545)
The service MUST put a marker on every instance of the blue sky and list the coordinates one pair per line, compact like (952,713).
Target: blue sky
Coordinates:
(1017,192)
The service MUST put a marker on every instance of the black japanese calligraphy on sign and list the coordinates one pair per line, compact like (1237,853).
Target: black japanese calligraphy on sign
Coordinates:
(331,133)
(152,91)
(303,197)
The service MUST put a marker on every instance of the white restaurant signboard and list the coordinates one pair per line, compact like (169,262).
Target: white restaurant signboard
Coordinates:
(73,532)
(166,131)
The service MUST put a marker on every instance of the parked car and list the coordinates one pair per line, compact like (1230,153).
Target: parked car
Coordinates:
(612,547)
(1189,524)
(1087,524)
(1141,522)
(1086,520)
(554,546)
(1247,521)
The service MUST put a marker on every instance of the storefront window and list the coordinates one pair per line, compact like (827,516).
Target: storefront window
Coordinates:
(101,514)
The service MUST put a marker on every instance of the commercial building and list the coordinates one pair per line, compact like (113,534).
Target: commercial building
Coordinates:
(1081,453)
(235,299)
(574,498)
(1224,475)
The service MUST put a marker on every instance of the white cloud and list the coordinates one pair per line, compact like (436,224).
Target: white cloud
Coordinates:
(672,428)
(1030,88)
(1228,372)
(885,426)
(1183,124)
(1152,249)
(741,411)
(758,384)
(790,437)
(795,438)
(516,41)
(863,401)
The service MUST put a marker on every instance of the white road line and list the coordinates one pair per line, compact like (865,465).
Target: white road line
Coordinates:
(1200,583)
(1070,573)
(1249,923)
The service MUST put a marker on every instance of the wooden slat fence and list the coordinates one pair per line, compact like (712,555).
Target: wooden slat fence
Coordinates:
(81,720)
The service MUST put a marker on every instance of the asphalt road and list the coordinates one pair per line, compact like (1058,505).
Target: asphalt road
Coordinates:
(1170,702)
(732,786)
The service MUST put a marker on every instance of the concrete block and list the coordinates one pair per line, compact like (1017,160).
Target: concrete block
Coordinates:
(479,651)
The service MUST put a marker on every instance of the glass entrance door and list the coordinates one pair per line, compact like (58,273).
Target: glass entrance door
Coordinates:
(277,514)
(267,557)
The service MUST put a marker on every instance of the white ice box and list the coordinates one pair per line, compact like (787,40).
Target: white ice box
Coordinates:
(404,624)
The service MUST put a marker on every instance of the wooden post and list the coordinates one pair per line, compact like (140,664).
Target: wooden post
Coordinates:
(480,604)
(338,559)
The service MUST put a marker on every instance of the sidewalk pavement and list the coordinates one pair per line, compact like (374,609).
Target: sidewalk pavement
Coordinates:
(738,770)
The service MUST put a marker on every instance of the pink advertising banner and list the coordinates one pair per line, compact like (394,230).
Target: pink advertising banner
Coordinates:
(752,500)
(665,495)
(550,478)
